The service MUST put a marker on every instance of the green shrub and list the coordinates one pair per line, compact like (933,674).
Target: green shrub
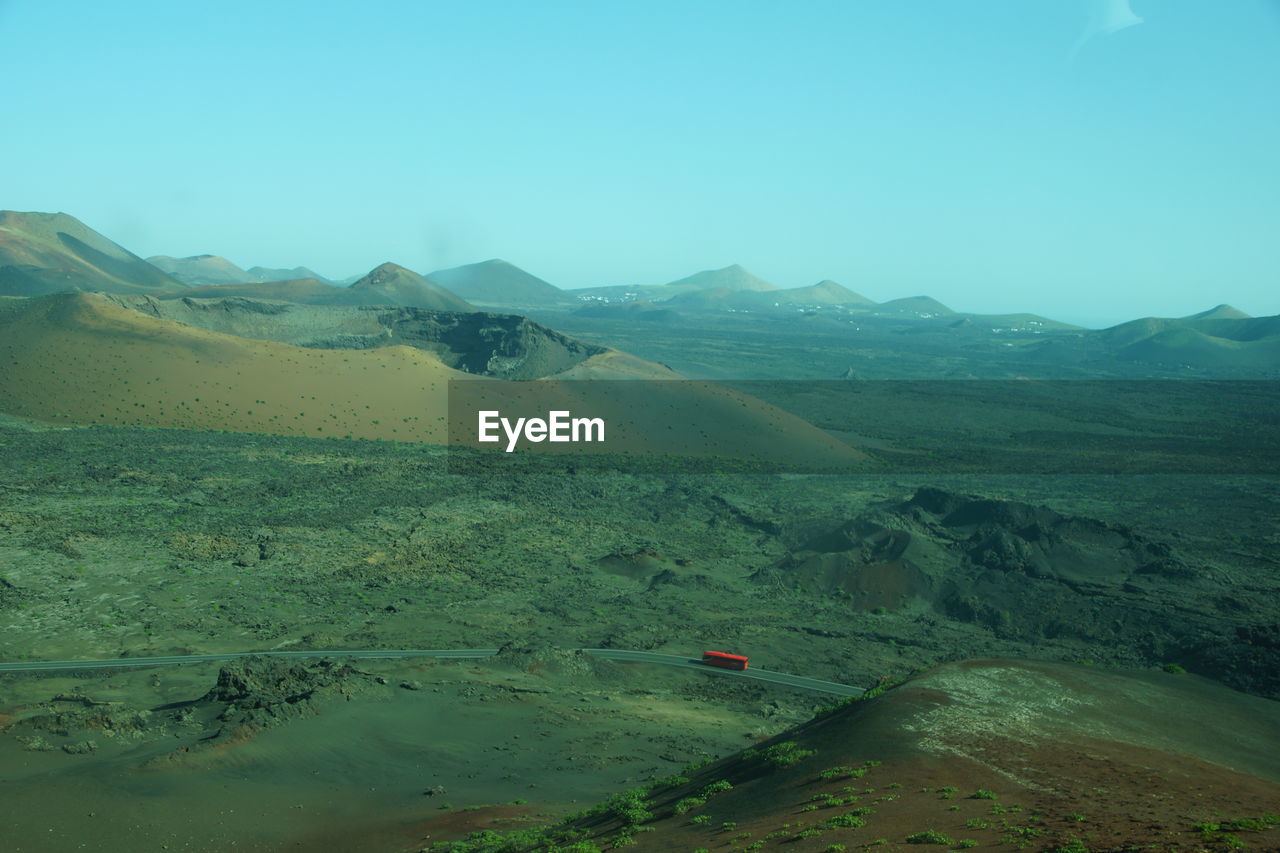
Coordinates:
(716,788)
(847,821)
(983,794)
(688,803)
(786,753)
(929,836)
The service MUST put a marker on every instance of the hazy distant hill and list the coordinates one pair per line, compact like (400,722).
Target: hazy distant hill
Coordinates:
(50,252)
(826,292)
(392,284)
(1220,312)
(496,282)
(277,274)
(1220,338)
(1222,318)
(914,305)
(199,270)
(732,277)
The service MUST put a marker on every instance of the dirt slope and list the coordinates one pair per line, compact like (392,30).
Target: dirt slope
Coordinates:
(989,754)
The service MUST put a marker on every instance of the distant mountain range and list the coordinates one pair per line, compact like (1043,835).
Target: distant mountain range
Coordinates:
(42,253)
(199,270)
(388,284)
(734,288)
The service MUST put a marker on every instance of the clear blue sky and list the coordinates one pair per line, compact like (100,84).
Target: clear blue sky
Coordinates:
(998,155)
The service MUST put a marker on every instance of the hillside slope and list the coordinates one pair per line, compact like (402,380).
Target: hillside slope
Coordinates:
(988,754)
(50,252)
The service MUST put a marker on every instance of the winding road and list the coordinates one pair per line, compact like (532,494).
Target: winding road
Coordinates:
(622,656)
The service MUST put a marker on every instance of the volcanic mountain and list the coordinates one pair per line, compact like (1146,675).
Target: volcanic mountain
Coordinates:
(392,284)
(732,277)
(49,252)
(499,283)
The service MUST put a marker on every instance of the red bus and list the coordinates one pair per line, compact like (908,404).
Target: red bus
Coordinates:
(725,660)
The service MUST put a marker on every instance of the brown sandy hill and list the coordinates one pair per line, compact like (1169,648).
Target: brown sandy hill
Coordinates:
(991,754)
(51,252)
(81,358)
(89,359)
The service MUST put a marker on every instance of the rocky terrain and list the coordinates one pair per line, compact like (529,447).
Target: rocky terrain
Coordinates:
(502,345)
(122,542)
